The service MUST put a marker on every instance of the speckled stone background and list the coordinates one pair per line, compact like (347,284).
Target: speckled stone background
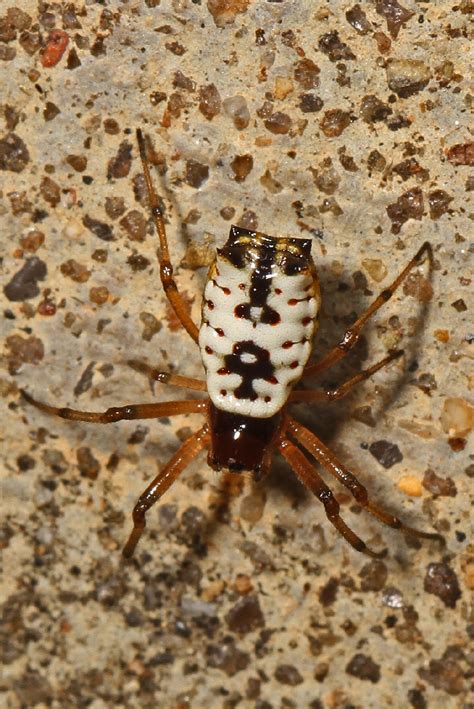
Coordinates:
(344,122)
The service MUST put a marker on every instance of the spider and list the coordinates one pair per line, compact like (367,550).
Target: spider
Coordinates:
(259,315)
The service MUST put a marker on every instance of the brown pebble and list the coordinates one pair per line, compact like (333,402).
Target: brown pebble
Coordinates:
(438,486)
(310,103)
(306,73)
(114,207)
(327,593)
(407,76)
(409,205)
(88,465)
(85,380)
(364,415)
(364,668)
(99,295)
(241,166)
(119,166)
(461,154)
(209,101)
(76,271)
(50,191)
(23,285)
(137,262)
(151,325)
(373,576)
(418,287)
(100,229)
(441,581)
(439,202)
(14,154)
(23,350)
(445,674)
(227,657)
(288,674)
(395,14)
(196,173)
(372,109)
(386,453)
(245,616)
(331,45)
(77,162)
(135,225)
(334,122)
(50,111)
(278,123)
(224,12)
(358,19)
(32,240)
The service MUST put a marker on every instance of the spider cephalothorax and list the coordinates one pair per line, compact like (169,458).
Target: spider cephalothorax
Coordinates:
(259,316)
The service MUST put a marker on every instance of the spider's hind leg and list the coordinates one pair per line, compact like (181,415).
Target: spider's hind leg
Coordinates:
(162,483)
(329,462)
(304,470)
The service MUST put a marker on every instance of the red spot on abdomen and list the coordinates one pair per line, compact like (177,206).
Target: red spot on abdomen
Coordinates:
(286,345)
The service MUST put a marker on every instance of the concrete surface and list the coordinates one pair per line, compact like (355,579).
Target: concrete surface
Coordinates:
(348,123)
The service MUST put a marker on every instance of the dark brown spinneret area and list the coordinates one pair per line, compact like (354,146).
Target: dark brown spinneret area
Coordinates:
(240,443)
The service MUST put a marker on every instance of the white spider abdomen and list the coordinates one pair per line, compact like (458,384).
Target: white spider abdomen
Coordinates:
(259,316)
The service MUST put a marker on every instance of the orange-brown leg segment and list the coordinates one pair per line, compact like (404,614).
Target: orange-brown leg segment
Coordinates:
(118,413)
(343,389)
(329,462)
(308,476)
(166,269)
(157,375)
(351,336)
(163,482)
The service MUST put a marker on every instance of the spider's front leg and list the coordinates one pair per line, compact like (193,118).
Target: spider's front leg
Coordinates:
(351,336)
(166,269)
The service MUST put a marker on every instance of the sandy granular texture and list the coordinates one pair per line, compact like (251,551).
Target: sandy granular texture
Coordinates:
(346,123)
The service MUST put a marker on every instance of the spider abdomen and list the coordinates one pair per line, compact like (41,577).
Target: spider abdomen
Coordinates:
(259,316)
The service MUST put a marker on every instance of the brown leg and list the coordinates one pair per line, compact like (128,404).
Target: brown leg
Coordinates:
(306,473)
(328,460)
(162,482)
(118,413)
(166,269)
(343,389)
(157,375)
(352,335)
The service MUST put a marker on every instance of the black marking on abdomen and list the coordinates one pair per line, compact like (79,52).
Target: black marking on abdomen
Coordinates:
(261,368)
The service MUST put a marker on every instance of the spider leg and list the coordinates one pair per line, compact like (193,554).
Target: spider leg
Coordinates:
(351,336)
(118,413)
(343,389)
(162,482)
(308,476)
(166,269)
(329,461)
(157,375)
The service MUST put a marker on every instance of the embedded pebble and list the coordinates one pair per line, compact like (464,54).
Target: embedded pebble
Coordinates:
(441,581)
(24,284)
(245,616)
(364,668)
(334,122)
(386,453)
(14,155)
(457,417)
(407,76)
(209,101)
(410,485)
(439,486)
(288,674)
(196,173)
(236,107)
(395,14)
